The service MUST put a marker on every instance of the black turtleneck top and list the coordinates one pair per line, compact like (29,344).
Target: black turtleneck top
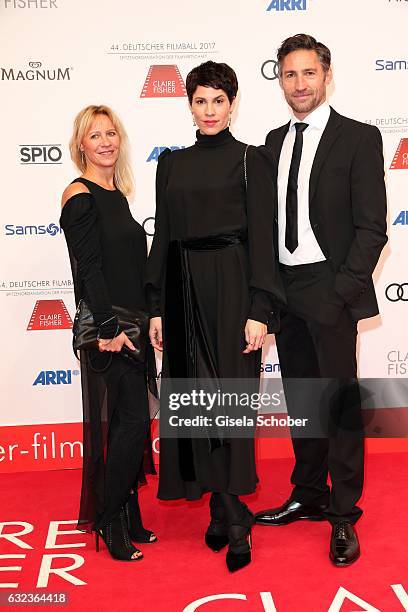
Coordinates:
(201,191)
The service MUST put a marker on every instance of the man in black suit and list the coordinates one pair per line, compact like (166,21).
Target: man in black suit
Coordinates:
(330,230)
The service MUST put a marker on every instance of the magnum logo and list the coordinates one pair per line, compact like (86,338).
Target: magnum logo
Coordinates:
(49,314)
(400,159)
(163,81)
(36,72)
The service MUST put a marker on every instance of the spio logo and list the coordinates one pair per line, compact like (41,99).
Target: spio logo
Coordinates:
(270,70)
(383,64)
(55,377)
(148,226)
(400,159)
(36,72)
(164,81)
(397,292)
(32,230)
(40,154)
(287,5)
(402,218)
(154,155)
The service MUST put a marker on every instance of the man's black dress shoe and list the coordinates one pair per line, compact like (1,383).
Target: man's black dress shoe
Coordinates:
(344,545)
(290,512)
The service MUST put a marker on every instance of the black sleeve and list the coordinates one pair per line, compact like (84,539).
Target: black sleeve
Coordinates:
(369,206)
(266,290)
(80,224)
(158,253)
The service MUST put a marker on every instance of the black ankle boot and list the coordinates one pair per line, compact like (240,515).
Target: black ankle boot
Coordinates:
(134,522)
(116,537)
(240,542)
(216,536)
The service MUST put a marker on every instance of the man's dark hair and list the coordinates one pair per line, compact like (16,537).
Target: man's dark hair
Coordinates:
(212,74)
(304,41)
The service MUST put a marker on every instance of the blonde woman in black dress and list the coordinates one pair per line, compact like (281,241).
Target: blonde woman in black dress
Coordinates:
(107,249)
(222,226)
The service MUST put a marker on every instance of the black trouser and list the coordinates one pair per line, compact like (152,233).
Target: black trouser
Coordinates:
(318,340)
(128,427)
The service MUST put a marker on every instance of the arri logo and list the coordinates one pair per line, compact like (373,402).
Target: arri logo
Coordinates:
(36,72)
(402,218)
(383,64)
(49,315)
(55,377)
(163,81)
(400,159)
(154,155)
(287,5)
(32,230)
(40,154)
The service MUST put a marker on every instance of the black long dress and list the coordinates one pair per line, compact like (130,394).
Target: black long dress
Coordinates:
(108,252)
(202,193)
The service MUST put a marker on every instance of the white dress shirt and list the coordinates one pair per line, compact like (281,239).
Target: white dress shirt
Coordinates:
(308,249)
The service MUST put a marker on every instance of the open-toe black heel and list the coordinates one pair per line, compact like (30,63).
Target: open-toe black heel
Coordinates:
(240,541)
(216,536)
(135,527)
(116,537)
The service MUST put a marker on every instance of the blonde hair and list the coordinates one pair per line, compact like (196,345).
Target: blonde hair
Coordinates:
(123,176)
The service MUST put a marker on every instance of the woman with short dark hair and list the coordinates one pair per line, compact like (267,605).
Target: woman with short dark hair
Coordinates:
(212,283)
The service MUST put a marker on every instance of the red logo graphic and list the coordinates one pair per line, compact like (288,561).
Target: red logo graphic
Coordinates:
(163,81)
(49,314)
(400,160)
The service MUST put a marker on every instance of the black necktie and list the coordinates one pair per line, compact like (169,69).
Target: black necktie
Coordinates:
(291,235)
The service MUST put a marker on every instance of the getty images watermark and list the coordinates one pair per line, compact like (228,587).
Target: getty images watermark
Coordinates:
(304,408)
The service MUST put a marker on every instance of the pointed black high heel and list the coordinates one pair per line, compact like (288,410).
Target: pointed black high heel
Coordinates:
(240,541)
(135,527)
(116,537)
(216,536)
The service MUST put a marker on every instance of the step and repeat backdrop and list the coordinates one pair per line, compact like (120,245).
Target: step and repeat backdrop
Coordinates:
(60,55)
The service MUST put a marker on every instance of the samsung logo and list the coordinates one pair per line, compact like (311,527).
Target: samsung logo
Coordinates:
(382,64)
(32,230)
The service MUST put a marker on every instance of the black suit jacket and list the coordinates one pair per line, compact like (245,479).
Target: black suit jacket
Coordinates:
(347,205)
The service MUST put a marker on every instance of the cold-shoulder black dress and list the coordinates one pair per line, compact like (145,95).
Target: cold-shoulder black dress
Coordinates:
(209,218)
(108,252)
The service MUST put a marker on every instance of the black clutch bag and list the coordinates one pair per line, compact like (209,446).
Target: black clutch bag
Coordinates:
(134,323)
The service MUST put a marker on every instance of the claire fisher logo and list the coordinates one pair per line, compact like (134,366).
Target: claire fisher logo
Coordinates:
(397,362)
(36,72)
(400,159)
(49,315)
(163,81)
(30,4)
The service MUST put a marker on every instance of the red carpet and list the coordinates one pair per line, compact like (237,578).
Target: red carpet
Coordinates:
(290,564)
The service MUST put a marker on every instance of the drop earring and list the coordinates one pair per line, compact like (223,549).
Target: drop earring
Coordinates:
(229,120)
(194,121)
(82,158)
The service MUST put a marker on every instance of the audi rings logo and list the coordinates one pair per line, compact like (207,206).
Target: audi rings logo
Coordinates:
(397,293)
(148,226)
(270,70)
